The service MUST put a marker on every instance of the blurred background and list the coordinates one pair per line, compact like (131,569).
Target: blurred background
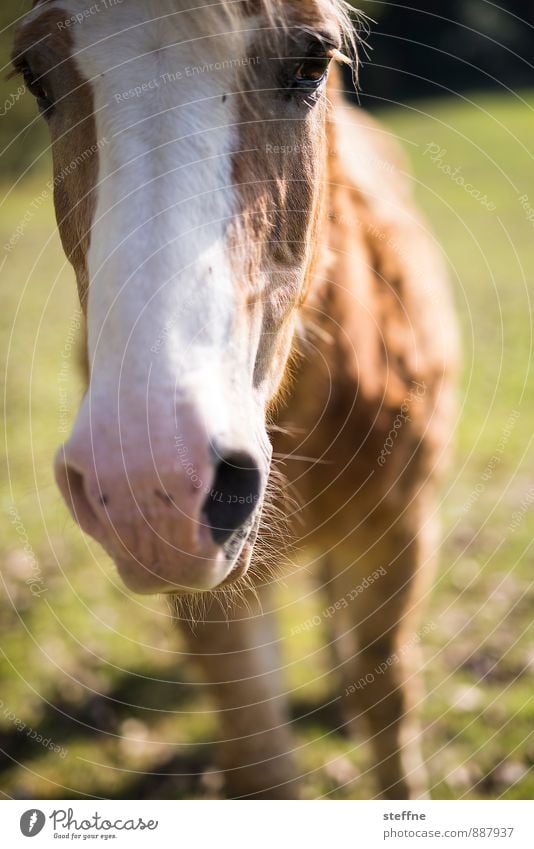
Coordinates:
(95,698)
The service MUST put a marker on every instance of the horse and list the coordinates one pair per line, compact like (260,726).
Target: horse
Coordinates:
(263,302)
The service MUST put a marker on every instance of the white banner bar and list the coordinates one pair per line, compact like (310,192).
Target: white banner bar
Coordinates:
(267,825)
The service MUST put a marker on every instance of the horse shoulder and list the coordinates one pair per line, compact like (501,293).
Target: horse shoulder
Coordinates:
(379,343)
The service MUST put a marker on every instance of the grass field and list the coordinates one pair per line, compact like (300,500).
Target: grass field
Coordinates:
(93,695)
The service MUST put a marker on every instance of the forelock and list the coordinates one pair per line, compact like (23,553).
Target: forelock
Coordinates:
(281,13)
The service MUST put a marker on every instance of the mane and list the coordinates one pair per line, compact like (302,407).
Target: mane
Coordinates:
(282,14)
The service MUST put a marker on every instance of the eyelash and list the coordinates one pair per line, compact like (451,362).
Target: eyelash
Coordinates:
(35,87)
(314,77)
(310,69)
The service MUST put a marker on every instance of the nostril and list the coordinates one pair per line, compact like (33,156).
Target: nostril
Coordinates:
(234,495)
(72,487)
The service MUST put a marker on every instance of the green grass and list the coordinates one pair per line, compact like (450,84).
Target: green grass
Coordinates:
(84,655)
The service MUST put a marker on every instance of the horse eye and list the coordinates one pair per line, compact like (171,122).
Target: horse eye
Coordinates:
(36,86)
(311,72)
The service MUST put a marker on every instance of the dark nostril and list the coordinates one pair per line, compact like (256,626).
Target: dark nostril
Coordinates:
(72,485)
(233,497)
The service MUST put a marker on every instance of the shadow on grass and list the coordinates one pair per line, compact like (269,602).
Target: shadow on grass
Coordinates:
(135,696)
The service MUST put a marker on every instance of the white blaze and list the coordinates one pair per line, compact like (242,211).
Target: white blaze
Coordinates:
(161,297)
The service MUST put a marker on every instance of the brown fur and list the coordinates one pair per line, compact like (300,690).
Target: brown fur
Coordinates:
(74,148)
(375,345)
(379,342)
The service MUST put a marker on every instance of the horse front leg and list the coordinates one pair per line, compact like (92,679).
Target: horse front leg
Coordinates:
(393,569)
(239,659)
